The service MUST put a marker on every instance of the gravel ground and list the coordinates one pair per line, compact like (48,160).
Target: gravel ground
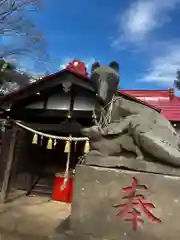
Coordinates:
(66,236)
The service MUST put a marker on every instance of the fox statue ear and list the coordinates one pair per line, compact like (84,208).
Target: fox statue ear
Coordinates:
(94,66)
(114,65)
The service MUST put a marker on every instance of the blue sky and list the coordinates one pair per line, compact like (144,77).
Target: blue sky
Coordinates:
(141,35)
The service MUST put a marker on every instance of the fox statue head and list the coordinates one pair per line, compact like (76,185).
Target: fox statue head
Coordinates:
(105,80)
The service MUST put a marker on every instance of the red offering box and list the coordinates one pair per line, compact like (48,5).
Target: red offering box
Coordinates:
(63,195)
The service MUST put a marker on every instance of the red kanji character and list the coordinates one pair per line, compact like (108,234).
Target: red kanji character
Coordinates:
(136,201)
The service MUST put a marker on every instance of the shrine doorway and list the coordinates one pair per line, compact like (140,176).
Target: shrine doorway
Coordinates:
(39,165)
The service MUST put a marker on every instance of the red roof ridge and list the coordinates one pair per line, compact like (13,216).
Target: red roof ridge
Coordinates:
(170,108)
(140,101)
(77,67)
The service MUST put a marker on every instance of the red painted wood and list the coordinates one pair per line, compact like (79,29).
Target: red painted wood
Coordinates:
(77,67)
(63,195)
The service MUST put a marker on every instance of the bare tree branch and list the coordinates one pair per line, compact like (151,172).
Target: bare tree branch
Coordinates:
(14,23)
(19,37)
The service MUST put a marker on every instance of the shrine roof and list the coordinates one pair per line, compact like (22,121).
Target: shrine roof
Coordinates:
(47,82)
(78,69)
(163,99)
(53,80)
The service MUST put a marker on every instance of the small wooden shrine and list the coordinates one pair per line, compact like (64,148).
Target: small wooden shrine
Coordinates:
(42,143)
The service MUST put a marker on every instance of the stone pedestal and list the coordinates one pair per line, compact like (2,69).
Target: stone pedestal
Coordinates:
(121,204)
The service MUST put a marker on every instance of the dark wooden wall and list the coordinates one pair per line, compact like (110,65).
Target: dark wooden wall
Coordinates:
(176,125)
(31,160)
(5,144)
(20,174)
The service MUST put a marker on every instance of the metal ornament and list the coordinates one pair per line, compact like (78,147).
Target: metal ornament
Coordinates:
(67,86)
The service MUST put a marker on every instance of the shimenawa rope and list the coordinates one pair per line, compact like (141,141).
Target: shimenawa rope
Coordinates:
(51,136)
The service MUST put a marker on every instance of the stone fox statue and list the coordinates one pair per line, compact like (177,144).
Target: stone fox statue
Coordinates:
(150,131)
(113,145)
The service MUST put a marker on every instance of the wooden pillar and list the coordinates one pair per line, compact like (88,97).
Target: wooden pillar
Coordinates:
(8,168)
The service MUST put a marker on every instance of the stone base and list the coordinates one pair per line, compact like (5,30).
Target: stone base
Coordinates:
(129,163)
(98,190)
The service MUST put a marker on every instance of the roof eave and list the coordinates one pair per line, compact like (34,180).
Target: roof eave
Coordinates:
(8,98)
(130,97)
